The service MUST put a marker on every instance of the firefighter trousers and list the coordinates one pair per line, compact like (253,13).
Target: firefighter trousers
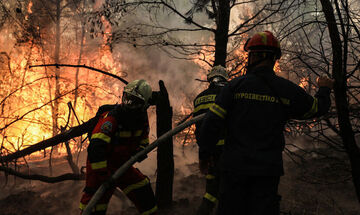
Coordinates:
(210,197)
(133,183)
(250,195)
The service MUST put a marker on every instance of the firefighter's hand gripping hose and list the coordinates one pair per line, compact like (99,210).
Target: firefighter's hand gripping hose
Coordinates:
(110,182)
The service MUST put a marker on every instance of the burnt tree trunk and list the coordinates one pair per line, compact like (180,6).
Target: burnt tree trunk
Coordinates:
(55,107)
(165,159)
(221,33)
(76,94)
(340,89)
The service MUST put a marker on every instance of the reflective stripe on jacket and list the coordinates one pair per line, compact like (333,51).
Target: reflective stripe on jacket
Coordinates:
(117,135)
(202,103)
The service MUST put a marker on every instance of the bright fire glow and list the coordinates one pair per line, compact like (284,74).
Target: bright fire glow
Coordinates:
(304,82)
(277,67)
(27,94)
(29,7)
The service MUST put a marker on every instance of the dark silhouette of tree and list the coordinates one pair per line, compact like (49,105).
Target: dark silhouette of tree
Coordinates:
(340,73)
(201,30)
(321,39)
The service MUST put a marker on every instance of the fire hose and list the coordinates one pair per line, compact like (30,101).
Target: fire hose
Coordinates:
(111,181)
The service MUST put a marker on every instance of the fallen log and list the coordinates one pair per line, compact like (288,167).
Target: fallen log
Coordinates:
(60,138)
(64,177)
(111,181)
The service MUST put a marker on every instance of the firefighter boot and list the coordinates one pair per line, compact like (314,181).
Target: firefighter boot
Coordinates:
(206,207)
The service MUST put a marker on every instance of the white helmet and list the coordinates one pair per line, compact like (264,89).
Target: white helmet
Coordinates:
(217,71)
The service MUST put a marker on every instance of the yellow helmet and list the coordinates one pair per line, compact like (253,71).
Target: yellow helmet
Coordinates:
(219,71)
(137,93)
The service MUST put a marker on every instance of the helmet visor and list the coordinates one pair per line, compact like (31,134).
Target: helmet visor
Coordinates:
(217,79)
(132,101)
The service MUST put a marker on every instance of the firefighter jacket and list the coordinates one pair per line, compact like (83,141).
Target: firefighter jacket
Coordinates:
(117,136)
(254,109)
(202,103)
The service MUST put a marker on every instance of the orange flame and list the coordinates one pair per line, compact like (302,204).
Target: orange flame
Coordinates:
(304,82)
(29,7)
(26,94)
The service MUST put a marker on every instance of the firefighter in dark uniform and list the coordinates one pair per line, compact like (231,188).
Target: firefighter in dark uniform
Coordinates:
(119,134)
(254,109)
(217,78)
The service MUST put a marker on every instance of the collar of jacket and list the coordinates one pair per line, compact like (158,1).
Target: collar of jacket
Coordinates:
(262,70)
(216,85)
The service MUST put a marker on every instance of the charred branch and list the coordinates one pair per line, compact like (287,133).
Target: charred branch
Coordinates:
(261,21)
(60,138)
(184,17)
(60,178)
(82,66)
(69,156)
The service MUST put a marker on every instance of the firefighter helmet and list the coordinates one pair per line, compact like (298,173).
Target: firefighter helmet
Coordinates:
(137,93)
(263,42)
(217,71)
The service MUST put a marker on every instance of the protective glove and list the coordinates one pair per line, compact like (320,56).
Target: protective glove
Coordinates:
(323,81)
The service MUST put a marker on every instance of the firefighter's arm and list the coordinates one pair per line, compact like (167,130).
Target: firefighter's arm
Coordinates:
(144,139)
(197,131)
(209,134)
(213,125)
(198,124)
(101,136)
(306,106)
(323,95)
(202,103)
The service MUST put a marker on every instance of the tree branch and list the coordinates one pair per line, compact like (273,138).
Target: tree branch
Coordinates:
(83,66)
(60,178)
(62,137)
(182,16)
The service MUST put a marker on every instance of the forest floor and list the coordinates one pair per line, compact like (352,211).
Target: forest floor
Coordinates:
(299,196)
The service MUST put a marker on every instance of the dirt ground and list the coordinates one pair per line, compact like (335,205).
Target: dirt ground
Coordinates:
(22,197)
(34,198)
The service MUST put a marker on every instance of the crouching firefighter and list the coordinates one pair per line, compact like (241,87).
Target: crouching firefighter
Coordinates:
(217,78)
(119,134)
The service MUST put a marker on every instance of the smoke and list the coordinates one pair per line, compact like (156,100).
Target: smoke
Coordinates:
(184,158)
(153,64)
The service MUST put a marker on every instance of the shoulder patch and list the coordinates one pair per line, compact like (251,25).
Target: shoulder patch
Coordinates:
(106,127)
